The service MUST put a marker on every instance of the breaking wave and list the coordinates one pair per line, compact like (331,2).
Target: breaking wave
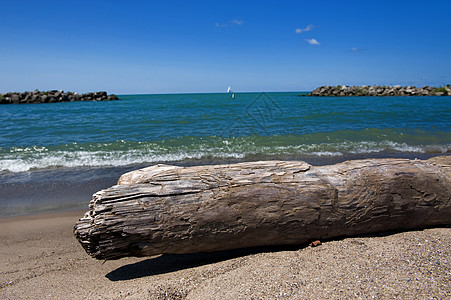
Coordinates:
(120,153)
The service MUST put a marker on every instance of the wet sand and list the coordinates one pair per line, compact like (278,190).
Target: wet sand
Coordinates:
(40,259)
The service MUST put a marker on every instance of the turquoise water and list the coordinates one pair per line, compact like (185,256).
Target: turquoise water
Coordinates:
(141,129)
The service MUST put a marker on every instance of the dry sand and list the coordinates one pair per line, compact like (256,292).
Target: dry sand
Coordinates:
(40,259)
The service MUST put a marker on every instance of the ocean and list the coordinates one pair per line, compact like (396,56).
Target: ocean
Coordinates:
(54,156)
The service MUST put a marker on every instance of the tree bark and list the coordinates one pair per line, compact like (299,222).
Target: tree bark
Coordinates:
(169,209)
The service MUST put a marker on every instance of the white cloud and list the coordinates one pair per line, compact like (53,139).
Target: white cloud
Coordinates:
(312,42)
(301,30)
(234,22)
(355,49)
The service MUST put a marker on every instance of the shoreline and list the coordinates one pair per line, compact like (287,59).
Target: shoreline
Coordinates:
(40,258)
(71,189)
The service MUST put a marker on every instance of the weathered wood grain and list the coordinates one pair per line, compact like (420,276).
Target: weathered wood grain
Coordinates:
(168,209)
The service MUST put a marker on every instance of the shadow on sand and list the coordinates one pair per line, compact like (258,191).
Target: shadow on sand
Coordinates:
(167,263)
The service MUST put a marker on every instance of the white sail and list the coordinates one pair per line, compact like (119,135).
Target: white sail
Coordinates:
(229,90)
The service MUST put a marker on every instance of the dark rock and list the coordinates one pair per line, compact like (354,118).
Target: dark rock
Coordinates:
(15,98)
(53,96)
(59,93)
(397,90)
(99,95)
(3,99)
(36,98)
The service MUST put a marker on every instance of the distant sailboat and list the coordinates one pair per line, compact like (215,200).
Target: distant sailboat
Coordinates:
(229,90)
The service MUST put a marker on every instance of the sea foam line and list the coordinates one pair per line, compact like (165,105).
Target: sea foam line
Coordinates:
(34,158)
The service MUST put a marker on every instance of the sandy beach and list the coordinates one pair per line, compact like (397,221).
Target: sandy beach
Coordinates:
(40,259)
(301,120)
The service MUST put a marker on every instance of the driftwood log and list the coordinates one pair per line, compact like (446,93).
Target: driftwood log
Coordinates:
(169,209)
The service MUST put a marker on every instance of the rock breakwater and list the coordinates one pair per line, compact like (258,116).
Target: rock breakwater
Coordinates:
(53,97)
(378,90)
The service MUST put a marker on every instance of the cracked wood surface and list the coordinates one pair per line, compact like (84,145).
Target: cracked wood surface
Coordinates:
(169,209)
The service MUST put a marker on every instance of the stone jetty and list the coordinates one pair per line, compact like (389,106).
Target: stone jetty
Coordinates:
(378,90)
(53,96)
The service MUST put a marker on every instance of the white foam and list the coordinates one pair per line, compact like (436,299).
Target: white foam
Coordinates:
(327,153)
(30,158)
(97,159)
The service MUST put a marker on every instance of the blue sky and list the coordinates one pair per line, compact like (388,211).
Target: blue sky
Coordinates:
(132,46)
